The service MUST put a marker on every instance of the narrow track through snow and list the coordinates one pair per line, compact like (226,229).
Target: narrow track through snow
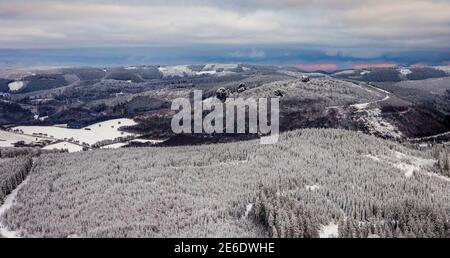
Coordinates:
(10,200)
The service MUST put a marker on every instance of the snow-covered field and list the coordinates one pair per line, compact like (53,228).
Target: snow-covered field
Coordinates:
(107,130)
(7,139)
(15,86)
(405,71)
(178,70)
(71,147)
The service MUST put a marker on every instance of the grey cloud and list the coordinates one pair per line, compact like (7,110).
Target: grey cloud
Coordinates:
(346,26)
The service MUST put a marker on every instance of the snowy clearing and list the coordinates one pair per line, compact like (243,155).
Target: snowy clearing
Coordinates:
(329,231)
(178,70)
(7,139)
(416,163)
(64,146)
(407,163)
(312,187)
(376,124)
(374,121)
(9,202)
(405,71)
(15,86)
(107,130)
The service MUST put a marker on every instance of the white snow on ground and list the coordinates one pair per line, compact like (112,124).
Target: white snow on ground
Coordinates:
(107,130)
(114,145)
(147,141)
(380,90)
(130,68)
(7,139)
(248,209)
(312,187)
(15,86)
(361,106)
(416,164)
(345,72)
(10,200)
(375,123)
(329,231)
(64,146)
(443,68)
(405,71)
(365,105)
(407,164)
(409,169)
(432,136)
(206,73)
(178,70)
(364,72)
(438,176)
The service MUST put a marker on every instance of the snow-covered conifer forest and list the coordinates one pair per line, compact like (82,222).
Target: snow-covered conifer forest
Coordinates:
(315,183)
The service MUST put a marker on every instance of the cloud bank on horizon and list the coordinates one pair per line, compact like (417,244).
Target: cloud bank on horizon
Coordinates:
(359,29)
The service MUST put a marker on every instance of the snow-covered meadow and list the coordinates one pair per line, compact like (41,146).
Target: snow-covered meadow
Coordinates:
(16,85)
(107,130)
(7,139)
(70,147)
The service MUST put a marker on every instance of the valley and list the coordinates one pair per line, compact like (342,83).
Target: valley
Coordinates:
(394,108)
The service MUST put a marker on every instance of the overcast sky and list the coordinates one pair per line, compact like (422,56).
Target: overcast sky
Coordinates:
(356,28)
